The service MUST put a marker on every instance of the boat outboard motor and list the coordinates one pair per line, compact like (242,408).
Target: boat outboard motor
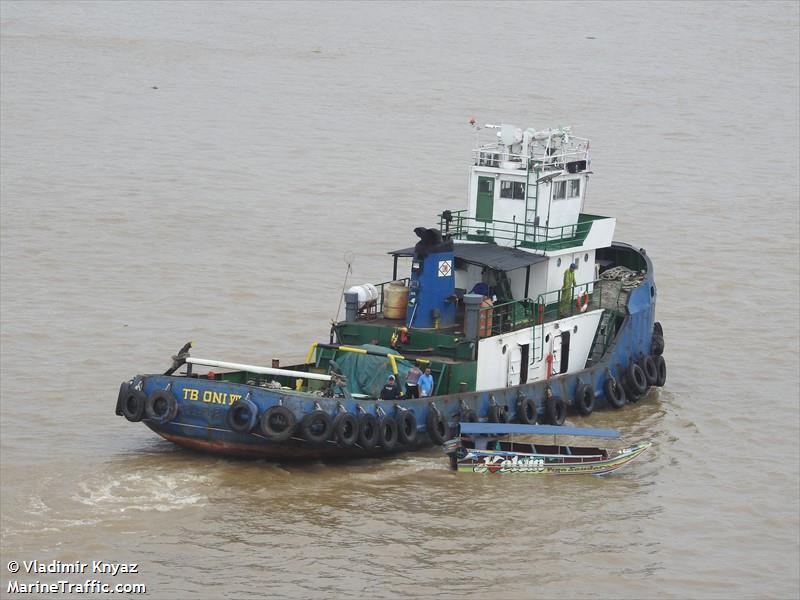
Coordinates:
(432,288)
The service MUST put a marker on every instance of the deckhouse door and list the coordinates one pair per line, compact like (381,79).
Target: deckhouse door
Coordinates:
(514,363)
(484,208)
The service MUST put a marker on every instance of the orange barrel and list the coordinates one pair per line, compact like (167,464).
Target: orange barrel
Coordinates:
(485,318)
(395,301)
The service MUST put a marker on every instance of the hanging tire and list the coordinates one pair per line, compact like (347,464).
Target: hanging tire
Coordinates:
(657,345)
(437,427)
(615,393)
(584,399)
(555,411)
(124,388)
(498,414)
(277,423)
(635,382)
(658,329)
(387,433)
(367,431)
(468,416)
(526,411)
(661,368)
(242,415)
(161,406)
(649,367)
(345,429)
(316,426)
(406,427)
(133,406)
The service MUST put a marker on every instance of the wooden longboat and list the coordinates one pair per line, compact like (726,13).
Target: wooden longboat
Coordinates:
(490,448)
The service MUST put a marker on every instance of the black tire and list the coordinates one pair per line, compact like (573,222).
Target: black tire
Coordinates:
(278,423)
(658,329)
(437,427)
(345,429)
(387,433)
(657,345)
(498,414)
(650,371)
(661,368)
(161,406)
(133,406)
(316,426)
(124,388)
(555,411)
(367,431)
(635,382)
(468,416)
(406,427)
(615,393)
(584,399)
(526,411)
(242,416)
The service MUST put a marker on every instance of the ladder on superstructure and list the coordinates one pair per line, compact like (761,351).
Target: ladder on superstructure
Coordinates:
(530,226)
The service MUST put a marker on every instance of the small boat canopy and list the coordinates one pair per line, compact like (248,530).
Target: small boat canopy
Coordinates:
(508,428)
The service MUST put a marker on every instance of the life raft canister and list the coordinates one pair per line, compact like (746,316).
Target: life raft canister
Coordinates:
(582,302)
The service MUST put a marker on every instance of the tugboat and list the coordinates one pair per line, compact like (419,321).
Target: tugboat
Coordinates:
(521,306)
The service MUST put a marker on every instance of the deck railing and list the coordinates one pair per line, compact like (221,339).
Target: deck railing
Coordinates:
(460,226)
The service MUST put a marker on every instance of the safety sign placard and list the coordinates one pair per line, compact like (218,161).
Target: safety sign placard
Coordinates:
(445,268)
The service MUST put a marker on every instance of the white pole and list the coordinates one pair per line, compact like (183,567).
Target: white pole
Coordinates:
(256,369)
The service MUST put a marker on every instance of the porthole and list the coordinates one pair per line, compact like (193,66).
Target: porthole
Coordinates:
(575,329)
(504,349)
(652,291)
(586,257)
(558,262)
(547,338)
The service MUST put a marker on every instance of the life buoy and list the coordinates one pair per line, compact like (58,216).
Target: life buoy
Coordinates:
(635,382)
(387,433)
(406,427)
(367,431)
(615,394)
(584,399)
(316,426)
(277,423)
(161,406)
(437,427)
(242,415)
(555,410)
(661,368)
(582,302)
(133,406)
(345,429)
(650,371)
(526,411)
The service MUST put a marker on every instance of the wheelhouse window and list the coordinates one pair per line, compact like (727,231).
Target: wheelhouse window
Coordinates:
(574,188)
(559,190)
(512,189)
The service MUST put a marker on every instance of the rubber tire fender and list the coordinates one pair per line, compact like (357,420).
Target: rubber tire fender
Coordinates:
(406,427)
(657,344)
(387,433)
(133,406)
(635,382)
(268,428)
(311,423)
(650,371)
(657,328)
(367,431)
(161,406)
(497,414)
(661,368)
(527,411)
(555,410)
(468,416)
(584,399)
(345,429)
(615,393)
(124,388)
(437,427)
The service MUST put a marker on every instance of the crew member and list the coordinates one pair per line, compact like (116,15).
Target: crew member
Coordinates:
(567,290)
(391,391)
(426,383)
(412,379)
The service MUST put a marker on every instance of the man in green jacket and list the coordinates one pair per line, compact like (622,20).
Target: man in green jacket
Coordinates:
(567,290)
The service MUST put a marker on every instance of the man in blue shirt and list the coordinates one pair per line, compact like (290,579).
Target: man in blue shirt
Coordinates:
(426,383)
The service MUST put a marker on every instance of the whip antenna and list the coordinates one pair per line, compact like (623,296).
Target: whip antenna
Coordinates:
(348,258)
